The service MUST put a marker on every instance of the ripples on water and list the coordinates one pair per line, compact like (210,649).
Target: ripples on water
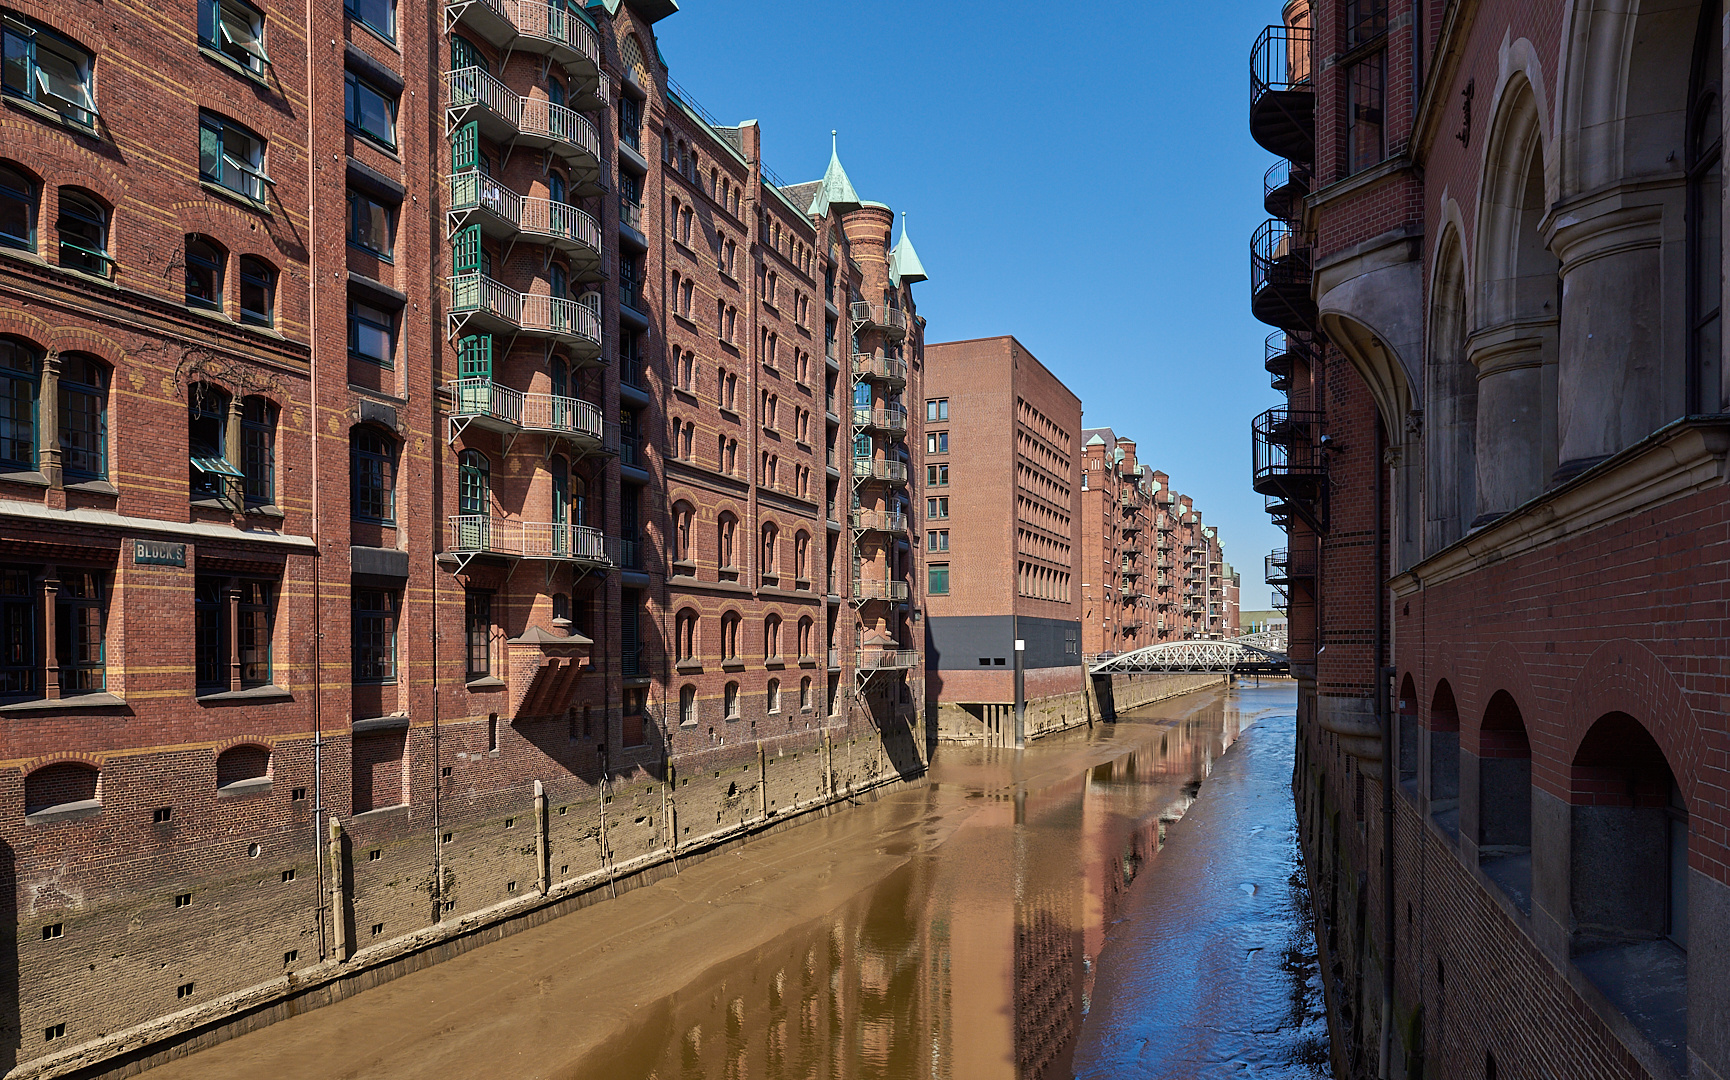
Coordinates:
(1019,937)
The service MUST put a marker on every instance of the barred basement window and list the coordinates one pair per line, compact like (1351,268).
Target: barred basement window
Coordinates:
(290,957)
(161,814)
(374,855)
(287,876)
(377,929)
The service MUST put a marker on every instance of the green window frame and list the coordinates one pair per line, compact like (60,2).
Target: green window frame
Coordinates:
(18,204)
(83,233)
(234,29)
(19,627)
(231,157)
(210,634)
(374,625)
(379,16)
(258,451)
(47,70)
(253,632)
(20,381)
(206,267)
(474,484)
(83,418)
(937,579)
(370,111)
(257,292)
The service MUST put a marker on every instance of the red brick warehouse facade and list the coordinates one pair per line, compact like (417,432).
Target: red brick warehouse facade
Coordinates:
(435,320)
(1494,265)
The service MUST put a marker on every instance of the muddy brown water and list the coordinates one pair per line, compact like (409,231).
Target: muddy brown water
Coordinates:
(1036,915)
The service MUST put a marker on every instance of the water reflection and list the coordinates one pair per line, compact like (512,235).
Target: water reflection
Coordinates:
(978,956)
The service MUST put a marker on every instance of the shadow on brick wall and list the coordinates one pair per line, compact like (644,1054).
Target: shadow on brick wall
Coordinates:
(9,986)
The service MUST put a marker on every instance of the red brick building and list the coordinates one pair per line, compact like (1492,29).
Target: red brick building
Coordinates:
(1002,445)
(1495,269)
(489,356)
(1150,574)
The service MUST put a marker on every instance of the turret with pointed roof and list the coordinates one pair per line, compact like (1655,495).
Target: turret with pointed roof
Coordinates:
(904,265)
(836,191)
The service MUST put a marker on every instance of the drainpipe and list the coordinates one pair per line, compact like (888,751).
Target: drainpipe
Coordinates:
(1386,723)
(1020,685)
(317,565)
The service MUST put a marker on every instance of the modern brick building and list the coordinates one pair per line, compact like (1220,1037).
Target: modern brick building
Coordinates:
(1494,263)
(1141,583)
(1002,496)
(512,544)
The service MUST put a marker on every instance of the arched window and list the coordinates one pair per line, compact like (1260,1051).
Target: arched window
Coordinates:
(257,291)
(258,450)
(1445,760)
(805,694)
(245,766)
(730,701)
(687,704)
(685,635)
(474,484)
(802,556)
(683,513)
(207,442)
(725,528)
(20,370)
(730,637)
(770,563)
(18,202)
(1705,212)
(1505,799)
(372,476)
(63,786)
(806,636)
(772,699)
(83,417)
(205,262)
(83,229)
(772,638)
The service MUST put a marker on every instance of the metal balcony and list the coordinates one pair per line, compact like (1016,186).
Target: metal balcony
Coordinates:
(1282,98)
(531,27)
(886,659)
(1284,188)
(885,317)
(1279,277)
(892,420)
(1130,500)
(1130,594)
(1281,602)
(880,369)
(477,534)
(887,472)
(505,215)
(1288,459)
(1129,570)
(485,404)
(506,117)
(1164,497)
(479,303)
(1129,526)
(1284,567)
(893,591)
(879,521)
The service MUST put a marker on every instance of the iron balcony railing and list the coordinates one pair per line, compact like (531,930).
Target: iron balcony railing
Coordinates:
(890,472)
(1286,450)
(880,521)
(868,589)
(1282,92)
(886,317)
(485,400)
(478,296)
(1279,277)
(532,27)
(1283,189)
(541,220)
(630,213)
(880,369)
(1130,499)
(480,534)
(1128,569)
(630,554)
(534,122)
(886,659)
(893,419)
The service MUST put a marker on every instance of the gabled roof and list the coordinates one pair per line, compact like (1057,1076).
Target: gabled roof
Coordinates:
(802,194)
(904,265)
(836,191)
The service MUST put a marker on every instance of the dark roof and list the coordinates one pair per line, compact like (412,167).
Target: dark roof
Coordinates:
(800,195)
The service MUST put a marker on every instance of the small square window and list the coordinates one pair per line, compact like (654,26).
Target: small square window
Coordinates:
(184,990)
(183,900)
(298,795)
(161,814)
(377,929)
(287,876)
(53,1031)
(52,931)
(290,957)
(374,855)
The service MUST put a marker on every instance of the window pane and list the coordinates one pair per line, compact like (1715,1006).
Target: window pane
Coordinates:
(83,229)
(203,274)
(241,30)
(479,633)
(83,434)
(370,111)
(254,632)
(258,450)
(370,333)
(209,632)
(17,407)
(379,15)
(210,149)
(257,293)
(369,224)
(374,636)
(17,211)
(938,580)
(18,629)
(1364,112)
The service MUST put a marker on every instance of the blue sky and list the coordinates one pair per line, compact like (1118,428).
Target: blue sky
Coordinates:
(1080,176)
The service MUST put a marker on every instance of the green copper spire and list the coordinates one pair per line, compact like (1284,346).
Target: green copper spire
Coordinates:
(836,192)
(904,264)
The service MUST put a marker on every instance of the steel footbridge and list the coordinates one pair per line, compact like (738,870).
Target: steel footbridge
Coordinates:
(1251,654)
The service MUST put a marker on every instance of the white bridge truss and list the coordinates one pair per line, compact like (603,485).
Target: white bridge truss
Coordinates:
(1264,653)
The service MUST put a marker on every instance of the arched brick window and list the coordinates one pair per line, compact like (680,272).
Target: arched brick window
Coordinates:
(63,786)
(244,766)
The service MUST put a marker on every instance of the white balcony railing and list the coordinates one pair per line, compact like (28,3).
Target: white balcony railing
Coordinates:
(479,534)
(534,118)
(474,190)
(880,521)
(530,412)
(507,23)
(893,472)
(880,368)
(477,294)
(866,589)
(884,316)
(886,659)
(891,419)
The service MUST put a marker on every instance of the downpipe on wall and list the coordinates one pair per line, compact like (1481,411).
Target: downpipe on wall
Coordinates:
(1384,721)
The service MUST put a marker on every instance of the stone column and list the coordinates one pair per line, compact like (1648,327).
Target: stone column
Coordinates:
(1610,376)
(48,420)
(231,639)
(234,451)
(50,670)
(1511,363)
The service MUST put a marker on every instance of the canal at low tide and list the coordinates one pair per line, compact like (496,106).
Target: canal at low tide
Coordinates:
(985,923)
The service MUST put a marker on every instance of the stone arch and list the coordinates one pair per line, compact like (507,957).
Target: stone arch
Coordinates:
(243,765)
(1516,310)
(1624,676)
(1616,76)
(1444,759)
(65,785)
(1451,396)
(1504,793)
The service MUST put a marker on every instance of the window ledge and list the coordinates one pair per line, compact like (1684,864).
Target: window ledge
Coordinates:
(487,682)
(56,118)
(65,704)
(808,661)
(729,412)
(689,667)
(34,479)
(255,785)
(235,197)
(213,504)
(269,510)
(93,487)
(774,663)
(394,722)
(222,60)
(205,311)
(733,664)
(71,811)
(399,810)
(269,692)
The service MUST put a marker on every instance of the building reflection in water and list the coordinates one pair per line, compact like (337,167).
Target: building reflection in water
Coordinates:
(976,958)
